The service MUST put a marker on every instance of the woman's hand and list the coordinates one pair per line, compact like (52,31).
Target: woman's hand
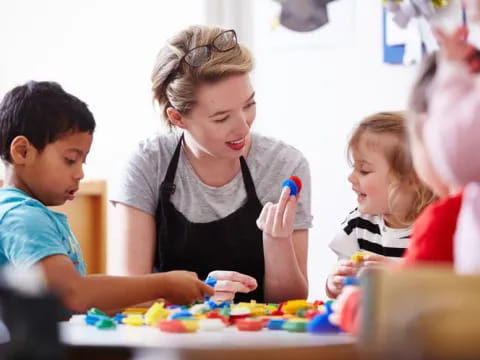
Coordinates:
(276,220)
(229,283)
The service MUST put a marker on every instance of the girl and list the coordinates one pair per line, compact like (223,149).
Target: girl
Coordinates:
(190,199)
(390,196)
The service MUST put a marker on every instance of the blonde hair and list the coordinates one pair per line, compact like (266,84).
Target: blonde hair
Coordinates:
(399,159)
(174,82)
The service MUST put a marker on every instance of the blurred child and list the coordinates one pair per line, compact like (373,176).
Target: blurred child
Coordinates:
(434,230)
(45,137)
(456,95)
(390,196)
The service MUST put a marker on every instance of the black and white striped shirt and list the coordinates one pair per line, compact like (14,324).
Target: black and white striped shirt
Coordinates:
(370,233)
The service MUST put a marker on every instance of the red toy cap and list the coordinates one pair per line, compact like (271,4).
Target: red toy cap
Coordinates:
(297,181)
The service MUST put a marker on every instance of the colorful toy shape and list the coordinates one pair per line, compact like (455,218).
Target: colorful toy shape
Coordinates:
(295,185)
(292,316)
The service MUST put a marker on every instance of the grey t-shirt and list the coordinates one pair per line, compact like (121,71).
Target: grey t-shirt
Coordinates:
(270,162)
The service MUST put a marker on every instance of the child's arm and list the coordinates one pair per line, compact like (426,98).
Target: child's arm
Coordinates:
(344,244)
(79,293)
(285,250)
(454,110)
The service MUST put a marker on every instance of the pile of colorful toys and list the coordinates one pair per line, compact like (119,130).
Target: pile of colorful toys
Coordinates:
(292,316)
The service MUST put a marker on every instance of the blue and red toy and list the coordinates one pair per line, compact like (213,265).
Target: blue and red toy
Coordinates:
(295,185)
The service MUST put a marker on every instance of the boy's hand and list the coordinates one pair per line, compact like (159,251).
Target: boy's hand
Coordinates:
(231,282)
(276,220)
(335,280)
(184,287)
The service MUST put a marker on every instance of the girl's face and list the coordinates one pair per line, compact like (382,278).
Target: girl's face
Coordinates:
(424,168)
(219,122)
(371,176)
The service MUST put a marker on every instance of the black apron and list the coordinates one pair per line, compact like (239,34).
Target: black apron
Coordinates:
(232,243)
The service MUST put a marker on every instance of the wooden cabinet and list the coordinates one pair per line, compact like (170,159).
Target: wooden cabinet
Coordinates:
(421,313)
(87,215)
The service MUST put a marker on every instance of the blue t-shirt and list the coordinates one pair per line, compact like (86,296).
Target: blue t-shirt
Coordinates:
(29,232)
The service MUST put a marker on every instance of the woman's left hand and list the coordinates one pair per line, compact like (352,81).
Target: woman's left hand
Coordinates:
(231,282)
(276,220)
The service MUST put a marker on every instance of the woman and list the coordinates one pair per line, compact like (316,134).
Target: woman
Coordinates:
(190,199)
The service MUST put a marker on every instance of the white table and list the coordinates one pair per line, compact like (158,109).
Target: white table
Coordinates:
(150,343)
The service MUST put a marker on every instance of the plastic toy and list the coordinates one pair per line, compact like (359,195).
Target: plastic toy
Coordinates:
(299,325)
(172,326)
(180,315)
(106,324)
(276,324)
(95,311)
(294,183)
(358,258)
(156,313)
(321,325)
(351,281)
(292,316)
(211,281)
(134,320)
(249,324)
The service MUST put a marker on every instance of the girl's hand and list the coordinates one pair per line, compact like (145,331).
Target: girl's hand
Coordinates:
(339,303)
(335,280)
(229,283)
(374,260)
(276,220)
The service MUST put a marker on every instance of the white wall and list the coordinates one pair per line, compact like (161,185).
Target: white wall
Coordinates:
(103,52)
(312,98)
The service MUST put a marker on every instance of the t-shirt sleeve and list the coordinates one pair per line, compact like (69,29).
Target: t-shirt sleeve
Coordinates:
(303,218)
(274,164)
(136,183)
(32,235)
(345,244)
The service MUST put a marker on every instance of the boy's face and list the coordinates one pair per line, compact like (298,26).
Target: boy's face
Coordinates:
(371,177)
(53,175)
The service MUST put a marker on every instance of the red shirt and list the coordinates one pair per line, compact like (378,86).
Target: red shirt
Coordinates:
(432,240)
(433,231)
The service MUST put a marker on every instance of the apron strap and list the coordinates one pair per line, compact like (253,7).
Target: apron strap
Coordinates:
(167,187)
(247,180)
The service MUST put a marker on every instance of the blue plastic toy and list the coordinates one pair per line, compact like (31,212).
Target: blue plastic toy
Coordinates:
(293,187)
(351,280)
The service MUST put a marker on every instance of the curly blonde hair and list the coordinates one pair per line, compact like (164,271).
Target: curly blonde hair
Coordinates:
(399,159)
(174,82)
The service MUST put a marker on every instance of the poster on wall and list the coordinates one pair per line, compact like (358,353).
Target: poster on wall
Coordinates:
(311,24)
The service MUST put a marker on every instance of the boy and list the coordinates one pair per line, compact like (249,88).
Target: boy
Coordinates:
(45,136)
